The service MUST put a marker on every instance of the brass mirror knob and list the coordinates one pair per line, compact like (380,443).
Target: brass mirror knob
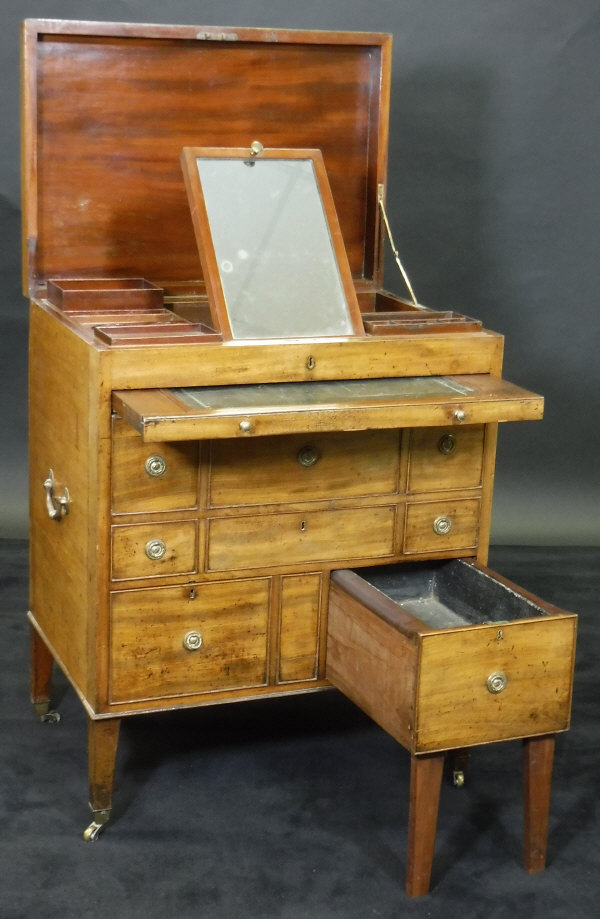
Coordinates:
(155,549)
(156,465)
(442,525)
(192,641)
(308,455)
(496,682)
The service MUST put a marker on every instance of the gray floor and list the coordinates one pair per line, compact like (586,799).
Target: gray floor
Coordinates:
(289,808)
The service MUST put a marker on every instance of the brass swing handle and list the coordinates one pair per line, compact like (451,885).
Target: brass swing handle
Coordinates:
(57,506)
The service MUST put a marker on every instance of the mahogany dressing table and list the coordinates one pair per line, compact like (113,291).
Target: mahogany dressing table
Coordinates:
(242,492)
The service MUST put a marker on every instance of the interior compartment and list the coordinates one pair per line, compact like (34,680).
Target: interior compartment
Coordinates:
(444,594)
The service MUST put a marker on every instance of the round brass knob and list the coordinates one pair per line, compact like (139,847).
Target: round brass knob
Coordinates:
(155,549)
(447,444)
(245,427)
(496,682)
(156,465)
(192,641)
(308,455)
(442,525)
(460,414)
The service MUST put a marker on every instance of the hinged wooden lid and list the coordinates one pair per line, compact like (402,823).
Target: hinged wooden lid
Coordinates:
(108,107)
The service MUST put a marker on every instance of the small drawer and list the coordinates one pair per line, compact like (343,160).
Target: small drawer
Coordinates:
(445,458)
(151,478)
(154,549)
(172,641)
(441,526)
(269,540)
(448,655)
(272,470)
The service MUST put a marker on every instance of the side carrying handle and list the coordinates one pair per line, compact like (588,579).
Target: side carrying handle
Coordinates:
(57,506)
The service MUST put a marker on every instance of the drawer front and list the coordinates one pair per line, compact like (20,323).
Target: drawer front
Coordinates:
(441,526)
(290,539)
(172,641)
(271,470)
(444,458)
(436,687)
(154,549)
(159,477)
(456,705)
(299,627)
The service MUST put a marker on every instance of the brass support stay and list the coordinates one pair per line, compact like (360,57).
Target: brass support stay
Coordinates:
(380,192)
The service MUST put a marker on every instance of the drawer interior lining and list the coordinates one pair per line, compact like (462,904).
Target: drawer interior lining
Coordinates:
(452,593)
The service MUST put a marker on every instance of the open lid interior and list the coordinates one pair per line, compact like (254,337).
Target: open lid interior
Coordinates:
(108,108)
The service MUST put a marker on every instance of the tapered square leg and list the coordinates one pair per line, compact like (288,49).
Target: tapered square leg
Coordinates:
(425,782)
(538,757)
(41,662)
(103,740)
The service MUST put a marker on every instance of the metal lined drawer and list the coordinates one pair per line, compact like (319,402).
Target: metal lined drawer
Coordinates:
(448,654)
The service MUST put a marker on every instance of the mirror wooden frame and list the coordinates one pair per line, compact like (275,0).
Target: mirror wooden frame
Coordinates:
(201,222)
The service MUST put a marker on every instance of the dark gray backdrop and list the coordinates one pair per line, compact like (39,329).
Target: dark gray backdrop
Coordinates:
(493,198)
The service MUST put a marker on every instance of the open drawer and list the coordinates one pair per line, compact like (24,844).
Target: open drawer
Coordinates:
(207,412)
(448,654)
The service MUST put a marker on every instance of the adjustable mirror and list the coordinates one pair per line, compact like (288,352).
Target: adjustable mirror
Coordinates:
(270,245)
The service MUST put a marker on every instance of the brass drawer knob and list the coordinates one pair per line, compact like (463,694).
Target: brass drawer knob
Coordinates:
(308,455)
(496,682)
(460,415)
(192,641)
(155,549)
(156,465)
(442,525)
(447,444)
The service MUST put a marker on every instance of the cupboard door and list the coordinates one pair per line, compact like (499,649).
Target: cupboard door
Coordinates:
(299,627)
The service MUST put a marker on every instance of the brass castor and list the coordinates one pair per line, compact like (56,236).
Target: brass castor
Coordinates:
(45,713)
(458,778)
(101,818)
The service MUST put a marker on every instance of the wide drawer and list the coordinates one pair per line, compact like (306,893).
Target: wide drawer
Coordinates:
(448,654)
(172,641)
(270,540)
(274,470)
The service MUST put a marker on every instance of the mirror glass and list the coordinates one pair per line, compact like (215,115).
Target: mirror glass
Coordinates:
(274,253)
